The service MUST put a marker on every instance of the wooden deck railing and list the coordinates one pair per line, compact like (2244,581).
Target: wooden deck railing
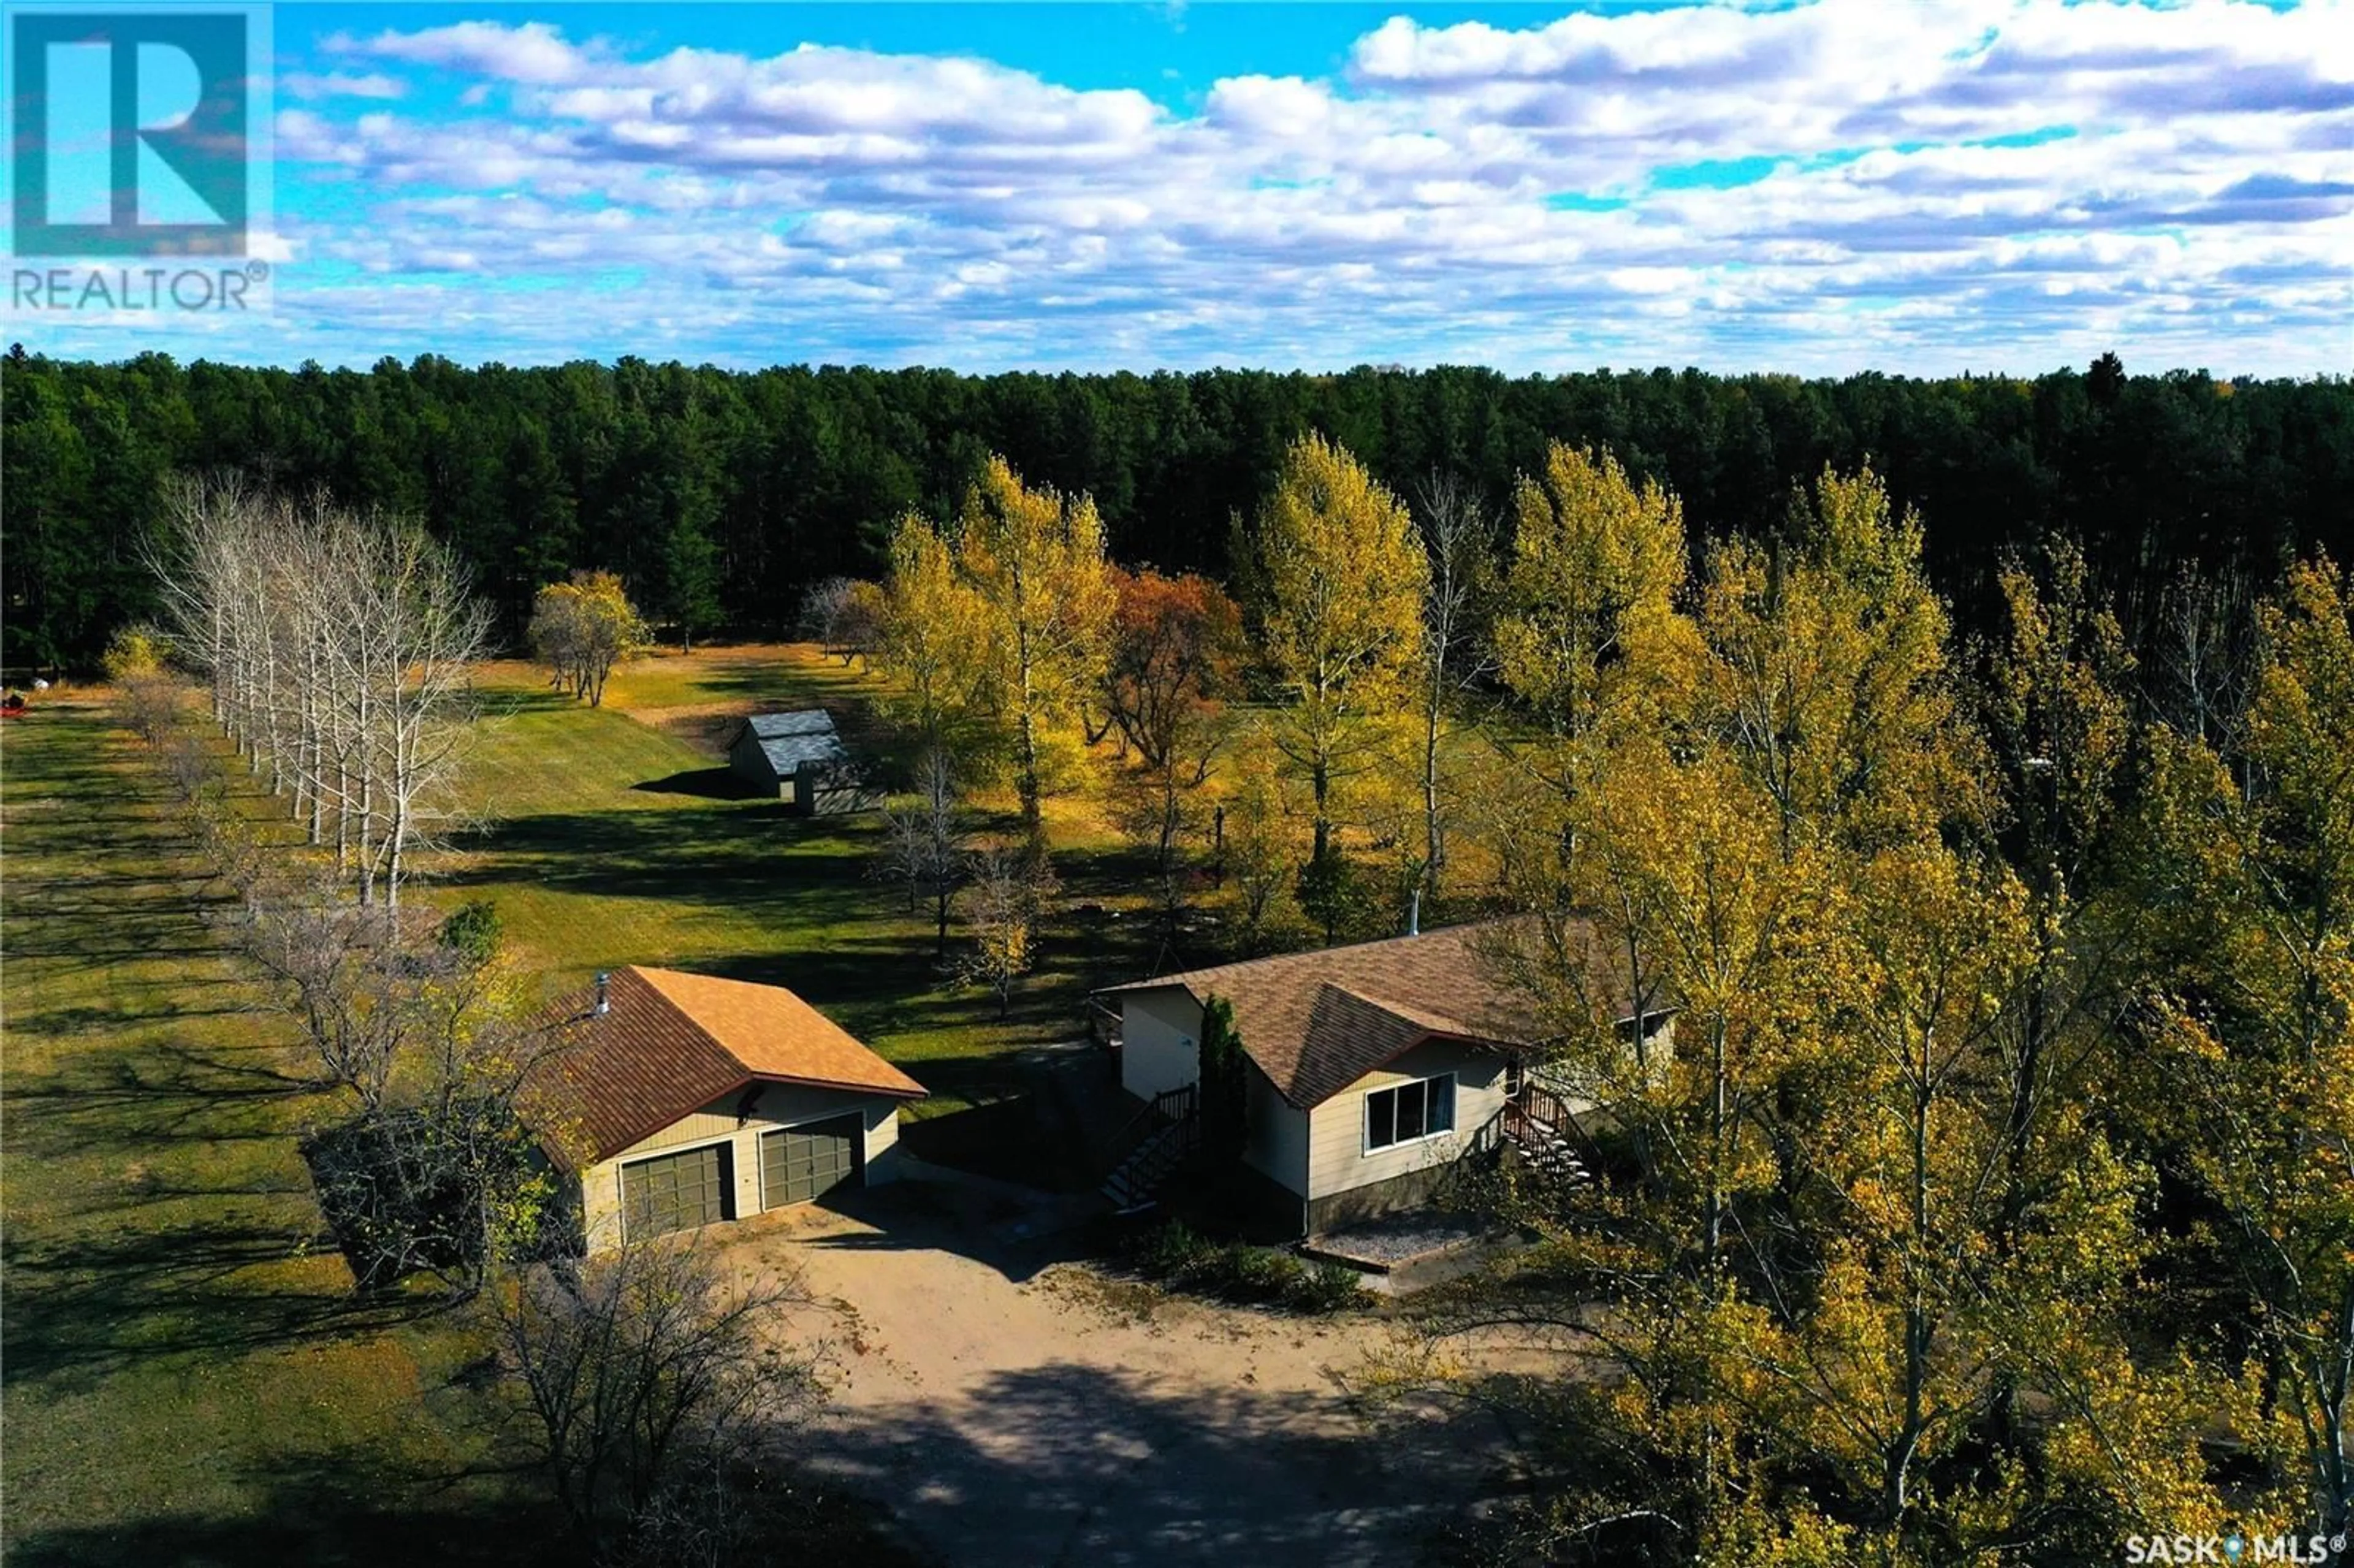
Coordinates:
(1537,1107)
(1156,1140)
(1103,1023)
(1170,1107)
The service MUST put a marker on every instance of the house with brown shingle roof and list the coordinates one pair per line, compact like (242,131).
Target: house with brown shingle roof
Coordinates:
(682,1099)
(1373,1069)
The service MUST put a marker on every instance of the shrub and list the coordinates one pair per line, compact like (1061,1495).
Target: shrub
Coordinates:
(1169,1251)
(134,653)
(474,931)
(1237,1271)
(408,1192)
(1325,1288)
(1256,1273)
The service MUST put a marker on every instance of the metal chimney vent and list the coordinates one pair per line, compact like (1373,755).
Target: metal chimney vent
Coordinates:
(604,993)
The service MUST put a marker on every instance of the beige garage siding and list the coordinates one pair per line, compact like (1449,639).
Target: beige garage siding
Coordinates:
(776,1104)
(1337,1157)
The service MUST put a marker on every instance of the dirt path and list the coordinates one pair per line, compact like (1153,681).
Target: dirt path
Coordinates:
(1016,1411)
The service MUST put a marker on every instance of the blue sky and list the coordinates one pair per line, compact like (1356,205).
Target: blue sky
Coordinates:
(1915,185)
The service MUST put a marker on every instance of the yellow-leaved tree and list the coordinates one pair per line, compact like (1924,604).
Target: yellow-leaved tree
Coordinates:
(582,627)
(1827,672)
(1334,576)
(928,638)
(1589,632)
(2248,870)
(1033,562)
(1841,1234)
(1590,639)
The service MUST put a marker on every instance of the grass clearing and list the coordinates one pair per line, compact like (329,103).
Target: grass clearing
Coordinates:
(187,1376)
(608,838)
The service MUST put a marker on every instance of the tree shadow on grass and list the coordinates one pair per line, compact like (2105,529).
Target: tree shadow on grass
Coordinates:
(167,1092)
(349,1508)
(742,854)
(780,683)
(809,879)
(507,702)
(83,1020)
(81,1308)
(340,1508)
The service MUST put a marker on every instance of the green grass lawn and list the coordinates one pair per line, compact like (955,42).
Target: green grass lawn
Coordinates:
(606,838)
(187,1378)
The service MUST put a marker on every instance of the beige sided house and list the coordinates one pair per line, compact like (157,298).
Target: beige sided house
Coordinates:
(1372,1070)
(687,1100)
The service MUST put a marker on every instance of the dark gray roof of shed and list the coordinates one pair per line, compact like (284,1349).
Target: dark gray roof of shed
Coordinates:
(796,740)
(801,721)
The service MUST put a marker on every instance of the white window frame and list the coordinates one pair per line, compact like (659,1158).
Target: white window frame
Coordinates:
(1367,1147)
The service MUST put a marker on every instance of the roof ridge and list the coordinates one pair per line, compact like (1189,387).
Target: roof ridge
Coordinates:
(1420,1016)
(794,1003)
(1308,955)
(693,1023)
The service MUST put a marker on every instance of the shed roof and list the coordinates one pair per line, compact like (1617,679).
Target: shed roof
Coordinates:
(1315,1023)
(792,741)
(800,721)
(671,1043)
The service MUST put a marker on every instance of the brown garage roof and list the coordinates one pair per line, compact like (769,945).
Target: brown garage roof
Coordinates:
(1316,1022)
(671,1043)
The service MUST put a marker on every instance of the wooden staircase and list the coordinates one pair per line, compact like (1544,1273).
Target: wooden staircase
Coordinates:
(1540,1124)
(1154,1143)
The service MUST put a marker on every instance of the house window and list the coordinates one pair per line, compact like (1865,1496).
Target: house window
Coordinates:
(1405,1112)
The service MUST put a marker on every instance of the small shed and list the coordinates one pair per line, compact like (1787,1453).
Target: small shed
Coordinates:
(800,758)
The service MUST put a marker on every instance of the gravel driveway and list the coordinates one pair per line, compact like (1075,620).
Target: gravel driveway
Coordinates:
(1015,1410)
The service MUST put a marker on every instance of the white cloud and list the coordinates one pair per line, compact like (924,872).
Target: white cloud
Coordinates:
(1960,181)
(307,86)
(535,52)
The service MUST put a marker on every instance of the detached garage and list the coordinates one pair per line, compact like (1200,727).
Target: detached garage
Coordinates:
(684,1100)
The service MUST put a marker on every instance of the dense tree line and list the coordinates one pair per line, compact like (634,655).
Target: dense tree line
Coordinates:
(720,496)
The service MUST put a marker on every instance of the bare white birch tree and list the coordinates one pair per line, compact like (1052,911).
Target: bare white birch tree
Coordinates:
(1458,536)
(338,648)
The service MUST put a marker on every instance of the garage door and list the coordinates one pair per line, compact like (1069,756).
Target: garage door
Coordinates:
(673,1191)
(798,1163)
